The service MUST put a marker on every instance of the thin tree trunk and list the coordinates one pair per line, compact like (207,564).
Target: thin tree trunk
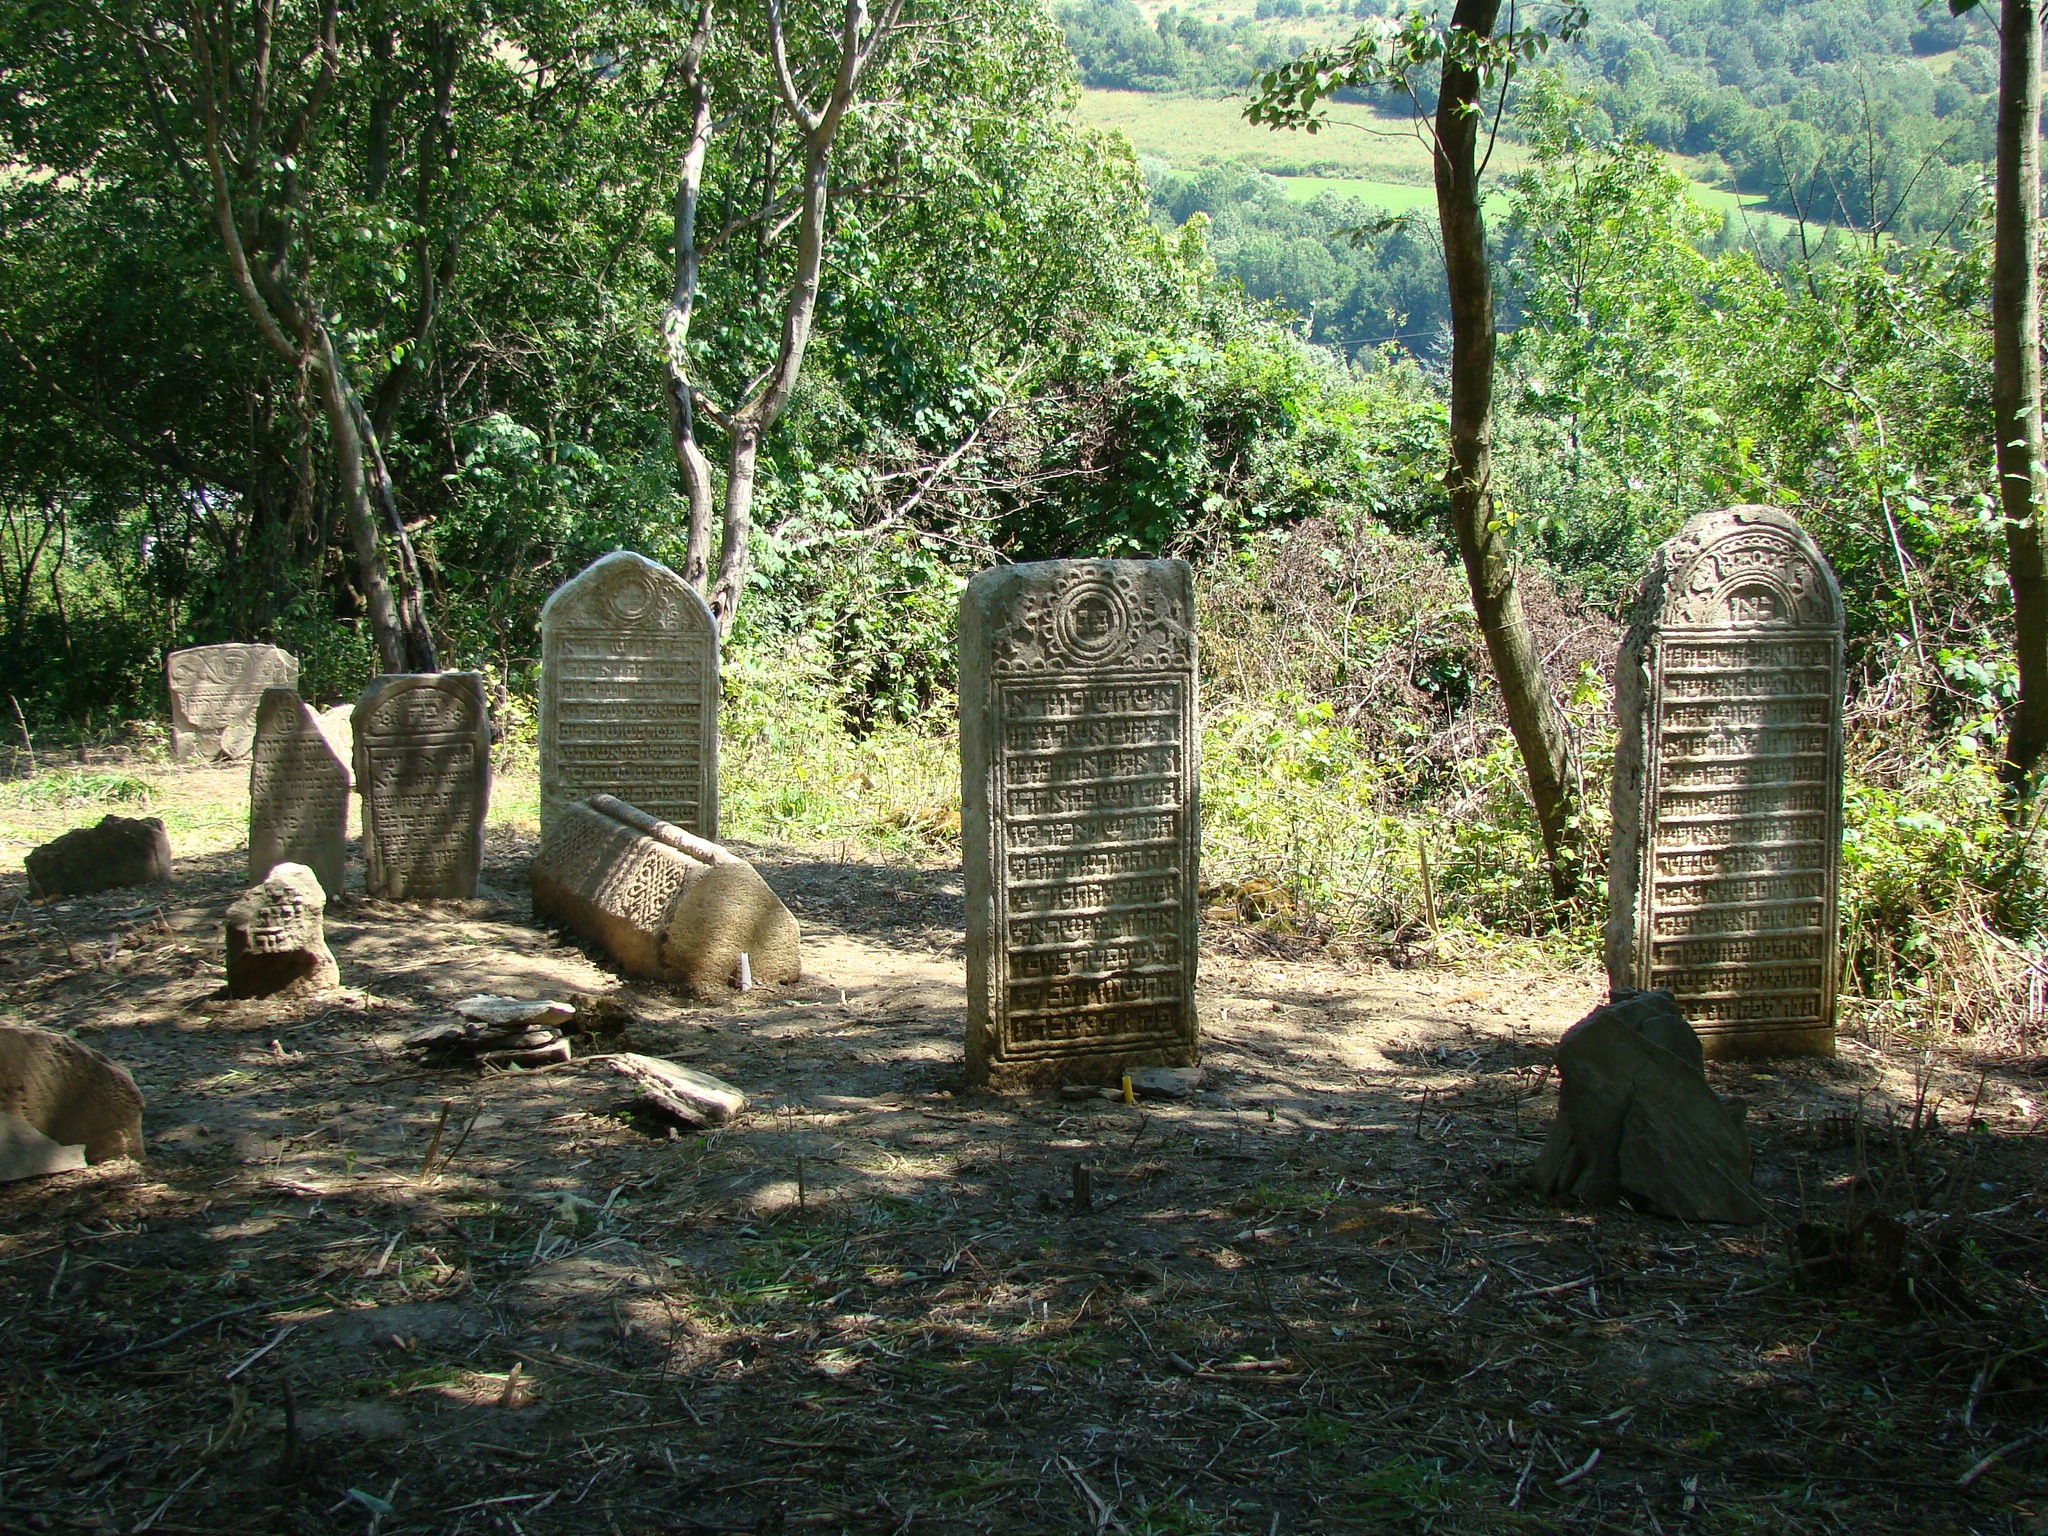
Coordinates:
(1533,715)
(2016,384)
(691,463)
(362,521)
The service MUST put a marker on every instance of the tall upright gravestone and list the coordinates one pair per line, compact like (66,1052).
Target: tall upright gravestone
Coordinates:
(629,694)
(423,770)
(1079,819)
(298,794)
(214,692)
(1728,785)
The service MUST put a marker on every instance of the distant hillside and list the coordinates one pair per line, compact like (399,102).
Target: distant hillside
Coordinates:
(1863,112)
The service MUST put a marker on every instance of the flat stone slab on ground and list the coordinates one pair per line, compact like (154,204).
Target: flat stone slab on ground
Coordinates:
(116,852)
(691,1098)
(26,1153)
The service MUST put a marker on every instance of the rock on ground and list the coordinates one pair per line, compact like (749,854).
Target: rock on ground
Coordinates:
(69,1092)
(691,1098)
(119,851)
(1637,1122)
(275,942)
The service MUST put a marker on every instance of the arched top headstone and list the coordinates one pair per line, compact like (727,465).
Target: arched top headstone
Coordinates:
(423,770)
(629,693)
(1748,567)
(1728,784)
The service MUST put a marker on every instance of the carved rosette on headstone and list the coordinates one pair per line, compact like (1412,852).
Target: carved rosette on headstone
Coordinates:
(298,794)
(1079,819)
(629,694)
(423,770)
(1728,786)
(214,693)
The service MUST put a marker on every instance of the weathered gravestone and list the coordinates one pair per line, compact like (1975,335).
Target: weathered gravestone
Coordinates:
(298,794)
(660,901)
(275,939)
(423,770)
(69,1092)
(1728,786)
(116,851)
(1078,795)
(214,693)
(629,694)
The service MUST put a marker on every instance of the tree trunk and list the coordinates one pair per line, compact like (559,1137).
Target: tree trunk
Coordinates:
(1533,715)
(2016,384)
(362,520)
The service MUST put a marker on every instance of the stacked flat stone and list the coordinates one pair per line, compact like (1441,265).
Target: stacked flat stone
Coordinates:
(1079,820)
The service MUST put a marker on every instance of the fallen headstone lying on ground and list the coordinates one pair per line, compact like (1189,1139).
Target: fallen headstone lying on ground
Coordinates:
(661,901)
(693,1099)
(54,1090)
(275,938)
(118,851)
(501,1032)
(1636,1121)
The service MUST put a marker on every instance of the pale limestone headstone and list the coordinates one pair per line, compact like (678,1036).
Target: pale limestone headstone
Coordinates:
(275,937)
(629,694)
(1728,786)
(423,772)
(69,1092)
(1078,751)
(659,901)
(298,793)
(214,693)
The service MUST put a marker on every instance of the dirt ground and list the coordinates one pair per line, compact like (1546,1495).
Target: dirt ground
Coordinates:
(1316,1297)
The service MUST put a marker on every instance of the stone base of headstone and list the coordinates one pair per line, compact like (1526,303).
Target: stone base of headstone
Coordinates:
(661,902)
(1636,1122)
(119,851)
(274,940)
(69,1093)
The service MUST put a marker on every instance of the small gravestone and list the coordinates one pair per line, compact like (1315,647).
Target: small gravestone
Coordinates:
(298,793)
(69,1093)
(117,851)
(423,772)
(1079,809)
(214,693)
(275,942)
(1637,1123)
(661,902)
(629,694)
(1728,786)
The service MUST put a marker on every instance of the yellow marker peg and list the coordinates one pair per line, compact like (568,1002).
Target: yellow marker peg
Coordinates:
(1129,1097)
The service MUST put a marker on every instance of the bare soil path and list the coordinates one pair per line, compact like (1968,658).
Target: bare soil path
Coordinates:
(1316,1297)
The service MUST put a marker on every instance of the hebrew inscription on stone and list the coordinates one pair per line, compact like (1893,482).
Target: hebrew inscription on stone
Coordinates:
(423,770)
(1728,785)
(1079,819)
(298,794)
(629,694)
(214,692)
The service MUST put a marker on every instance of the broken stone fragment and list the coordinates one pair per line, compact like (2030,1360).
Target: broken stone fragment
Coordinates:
(547,1053)
(275,942)
(1166,1083)
(1636,1121)
(119,851)
(26,1153)
(693,1099)
(69,1092)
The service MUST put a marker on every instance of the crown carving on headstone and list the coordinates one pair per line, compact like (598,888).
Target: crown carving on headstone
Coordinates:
(1096,614)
